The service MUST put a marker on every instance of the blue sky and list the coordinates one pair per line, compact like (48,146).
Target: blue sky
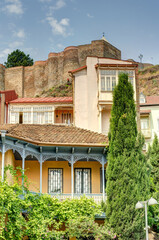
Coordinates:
(41,26)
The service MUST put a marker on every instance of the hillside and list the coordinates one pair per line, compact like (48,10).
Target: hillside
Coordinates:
(149,80)
(64,90)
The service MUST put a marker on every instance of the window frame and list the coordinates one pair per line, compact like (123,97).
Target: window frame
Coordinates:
(49,180)
(82,180)
(130,72)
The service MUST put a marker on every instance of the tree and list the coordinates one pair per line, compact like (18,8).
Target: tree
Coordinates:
(127,178)
(18,58)
(153,159)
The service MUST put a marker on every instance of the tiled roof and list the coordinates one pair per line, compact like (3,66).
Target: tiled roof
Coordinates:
(151,100)
(54,135)
(43,100)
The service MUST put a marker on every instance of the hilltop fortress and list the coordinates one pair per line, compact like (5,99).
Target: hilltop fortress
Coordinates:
(43,75)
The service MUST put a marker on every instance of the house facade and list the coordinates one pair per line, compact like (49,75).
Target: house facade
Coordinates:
(149,117)
(48,110)
(93,86)
(63,161)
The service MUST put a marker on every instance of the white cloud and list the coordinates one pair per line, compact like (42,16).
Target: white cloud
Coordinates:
(13,7)
(89,15)
(19,34)
(15,44)
(60,46)
(5,52)
(59,4)
(64,21)
(58,27)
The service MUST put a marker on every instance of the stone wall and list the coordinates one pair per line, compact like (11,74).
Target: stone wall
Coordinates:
(43,75)
(2,71)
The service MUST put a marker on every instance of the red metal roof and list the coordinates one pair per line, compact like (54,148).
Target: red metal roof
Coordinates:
(9,95)
(43,100)
(78,69)
(151,100)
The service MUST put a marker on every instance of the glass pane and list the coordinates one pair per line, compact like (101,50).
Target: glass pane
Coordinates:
(108,85)
(102,83)
(86,181)
(144,123)
(113,83)
(78,180)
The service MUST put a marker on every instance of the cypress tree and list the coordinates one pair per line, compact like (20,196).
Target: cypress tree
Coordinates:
(153,159)
(127,178)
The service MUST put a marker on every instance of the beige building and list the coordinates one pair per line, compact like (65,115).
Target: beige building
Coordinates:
(149,117)
(93,86)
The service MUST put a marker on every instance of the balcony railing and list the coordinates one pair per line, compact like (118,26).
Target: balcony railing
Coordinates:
(97,197)
(146,133)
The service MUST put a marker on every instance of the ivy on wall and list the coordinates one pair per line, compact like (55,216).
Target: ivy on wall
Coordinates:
(24,215)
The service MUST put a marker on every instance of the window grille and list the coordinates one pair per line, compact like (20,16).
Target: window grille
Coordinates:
(55,180)
(82,180)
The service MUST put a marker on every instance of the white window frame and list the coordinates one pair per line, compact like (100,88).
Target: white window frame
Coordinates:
(113,76)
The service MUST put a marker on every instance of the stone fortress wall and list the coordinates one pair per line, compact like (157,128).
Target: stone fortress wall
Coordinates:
(31,81)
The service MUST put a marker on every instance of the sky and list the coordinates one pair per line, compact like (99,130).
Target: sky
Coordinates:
(39,27)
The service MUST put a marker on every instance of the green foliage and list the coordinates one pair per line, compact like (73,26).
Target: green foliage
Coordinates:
(127,176)
(18,58)
(85,227)
(153,159)
(39,216)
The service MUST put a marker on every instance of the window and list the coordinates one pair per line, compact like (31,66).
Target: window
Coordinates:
(130,75)
(101,179)
(14,117)
(108,80)
(55,180)
(82,180)
(142,98)
(66,118)
(144,123)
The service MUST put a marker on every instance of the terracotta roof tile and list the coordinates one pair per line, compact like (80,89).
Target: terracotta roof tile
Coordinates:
(43,100)
(55,135)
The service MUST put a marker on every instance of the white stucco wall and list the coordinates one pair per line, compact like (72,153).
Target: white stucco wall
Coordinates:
(154,116)
(88,98)
(105,121)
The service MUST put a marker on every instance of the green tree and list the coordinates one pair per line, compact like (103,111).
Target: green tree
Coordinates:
(18,58)
(127,177)
(153,159)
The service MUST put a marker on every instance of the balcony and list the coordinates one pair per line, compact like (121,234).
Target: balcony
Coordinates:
(146,133)
(98,197)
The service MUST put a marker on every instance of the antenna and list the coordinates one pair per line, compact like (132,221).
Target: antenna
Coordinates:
(140,57)
(103,34)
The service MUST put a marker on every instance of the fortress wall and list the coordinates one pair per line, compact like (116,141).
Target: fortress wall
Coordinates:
(52,70)
(71,61)
(43,75)
(14,79)
(40,78)
(28,82)
(2,71)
